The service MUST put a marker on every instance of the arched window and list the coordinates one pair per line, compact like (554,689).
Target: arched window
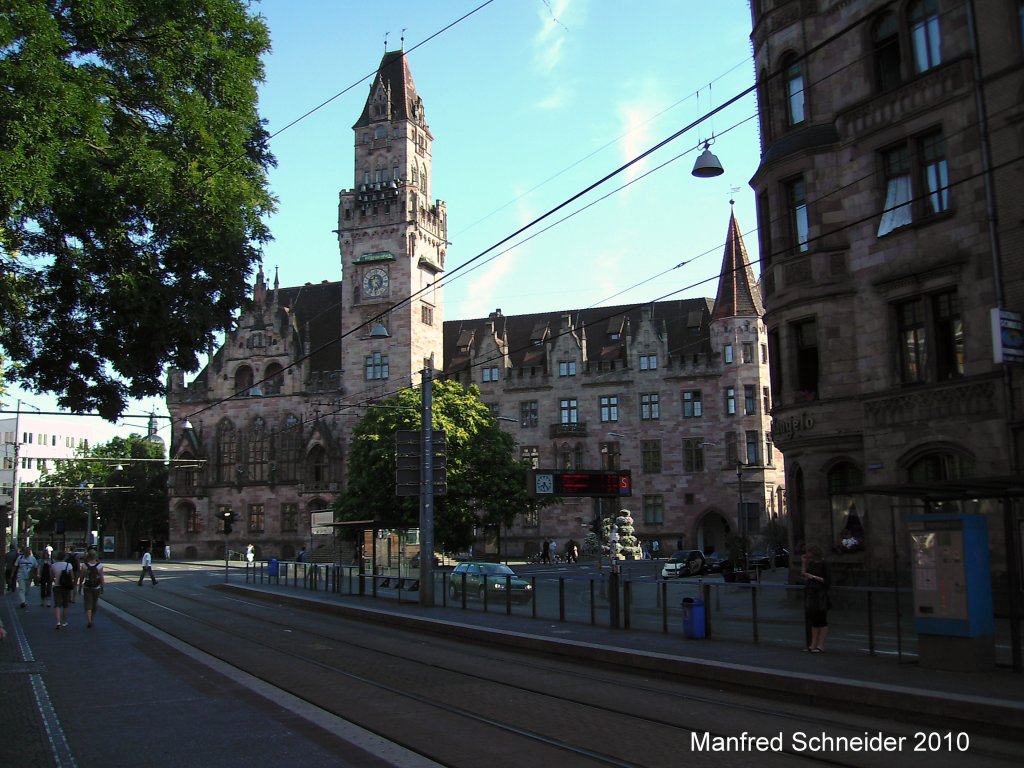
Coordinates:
(273,380)
(243,381)
(259,450)
(924,35)
(191,517)
(938,466)
(186,475)
(885,40)
(793,80)
(847,528)
(227,451)
(316,468)
(289,457)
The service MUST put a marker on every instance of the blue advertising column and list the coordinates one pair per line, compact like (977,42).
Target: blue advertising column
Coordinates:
(952,591)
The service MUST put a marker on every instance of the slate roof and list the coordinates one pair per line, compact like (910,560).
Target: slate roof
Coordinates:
(315,309)
(685,321)
(738,295)
(395,75)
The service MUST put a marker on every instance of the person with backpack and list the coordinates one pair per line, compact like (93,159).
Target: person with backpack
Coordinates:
(44,579)
(64,584)
(92,586)
(76,569)
(147,567)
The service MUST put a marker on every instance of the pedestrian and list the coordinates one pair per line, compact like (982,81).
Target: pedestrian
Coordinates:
(147,567)
(76,570)
(816,598)
(679,544)
(48,549)
(9,559)
(25,570)
(553,551)
(301,557)
(250,553)
(167,551)
(64,583)
(544,551)
(655,548)
(44,579)
(92,585)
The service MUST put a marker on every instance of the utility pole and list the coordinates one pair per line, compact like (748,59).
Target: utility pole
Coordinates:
(427,490)
(15,480)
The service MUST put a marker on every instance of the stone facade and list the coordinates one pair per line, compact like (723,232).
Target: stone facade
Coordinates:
(888,213)
(675,391)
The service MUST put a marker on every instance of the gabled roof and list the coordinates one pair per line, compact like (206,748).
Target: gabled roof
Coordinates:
(738,295)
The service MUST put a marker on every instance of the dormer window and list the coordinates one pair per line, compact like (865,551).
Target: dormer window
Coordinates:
(648,362)
(614,335)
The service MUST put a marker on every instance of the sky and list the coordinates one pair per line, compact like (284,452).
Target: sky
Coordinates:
(530,102)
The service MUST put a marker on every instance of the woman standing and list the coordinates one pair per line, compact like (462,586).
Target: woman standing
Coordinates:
(816,599)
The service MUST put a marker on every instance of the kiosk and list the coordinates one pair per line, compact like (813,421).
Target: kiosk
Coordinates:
(952,591)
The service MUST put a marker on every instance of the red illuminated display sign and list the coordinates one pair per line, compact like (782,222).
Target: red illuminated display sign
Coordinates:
(592,484)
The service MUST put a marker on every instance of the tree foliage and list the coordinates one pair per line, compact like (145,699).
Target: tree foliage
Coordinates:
(486,484)
(132,189)
(129,498)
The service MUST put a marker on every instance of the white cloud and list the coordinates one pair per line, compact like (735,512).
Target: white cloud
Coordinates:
(549,41)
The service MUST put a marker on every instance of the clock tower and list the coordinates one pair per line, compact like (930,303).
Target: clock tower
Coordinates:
(393,239)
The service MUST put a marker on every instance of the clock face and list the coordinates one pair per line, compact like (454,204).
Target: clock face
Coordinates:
(544,483)
(375,282)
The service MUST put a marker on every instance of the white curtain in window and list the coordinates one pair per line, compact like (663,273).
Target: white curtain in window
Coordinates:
(937,175)
(897,211)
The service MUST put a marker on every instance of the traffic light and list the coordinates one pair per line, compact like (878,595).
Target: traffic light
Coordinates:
(227,517)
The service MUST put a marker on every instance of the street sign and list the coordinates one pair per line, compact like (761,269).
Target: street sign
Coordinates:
(409,459)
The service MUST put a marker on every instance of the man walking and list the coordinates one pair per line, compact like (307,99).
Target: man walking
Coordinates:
(147,567)
(93,585)
(24,567)
(64,584)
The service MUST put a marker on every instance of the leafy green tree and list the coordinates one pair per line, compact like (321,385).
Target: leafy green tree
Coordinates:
(128,495)
(486,484)
(132,189)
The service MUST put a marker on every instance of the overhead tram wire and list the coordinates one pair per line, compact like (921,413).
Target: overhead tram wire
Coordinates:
(348,88)
(598,150)
(710,114)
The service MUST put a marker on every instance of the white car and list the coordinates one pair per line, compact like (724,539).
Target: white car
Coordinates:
(685,562)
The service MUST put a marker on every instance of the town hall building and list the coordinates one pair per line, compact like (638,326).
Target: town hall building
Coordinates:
(675,391)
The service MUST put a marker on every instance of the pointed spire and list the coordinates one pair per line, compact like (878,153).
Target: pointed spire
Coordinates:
(738,295)
(394,82)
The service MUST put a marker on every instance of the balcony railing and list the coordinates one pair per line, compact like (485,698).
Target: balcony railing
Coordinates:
(572,429)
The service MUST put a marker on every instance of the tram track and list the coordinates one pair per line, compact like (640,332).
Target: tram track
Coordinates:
(410,690)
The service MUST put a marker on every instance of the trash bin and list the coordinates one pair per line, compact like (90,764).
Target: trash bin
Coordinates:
(693,618)
(272,568)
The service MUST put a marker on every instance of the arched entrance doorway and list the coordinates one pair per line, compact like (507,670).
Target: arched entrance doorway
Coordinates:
(711,532)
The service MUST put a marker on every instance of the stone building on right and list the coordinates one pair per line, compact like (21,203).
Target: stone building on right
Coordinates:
(892,257)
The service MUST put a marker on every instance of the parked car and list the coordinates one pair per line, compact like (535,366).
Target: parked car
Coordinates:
(718,563)
(685,562)
(766,559)
(497,577)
